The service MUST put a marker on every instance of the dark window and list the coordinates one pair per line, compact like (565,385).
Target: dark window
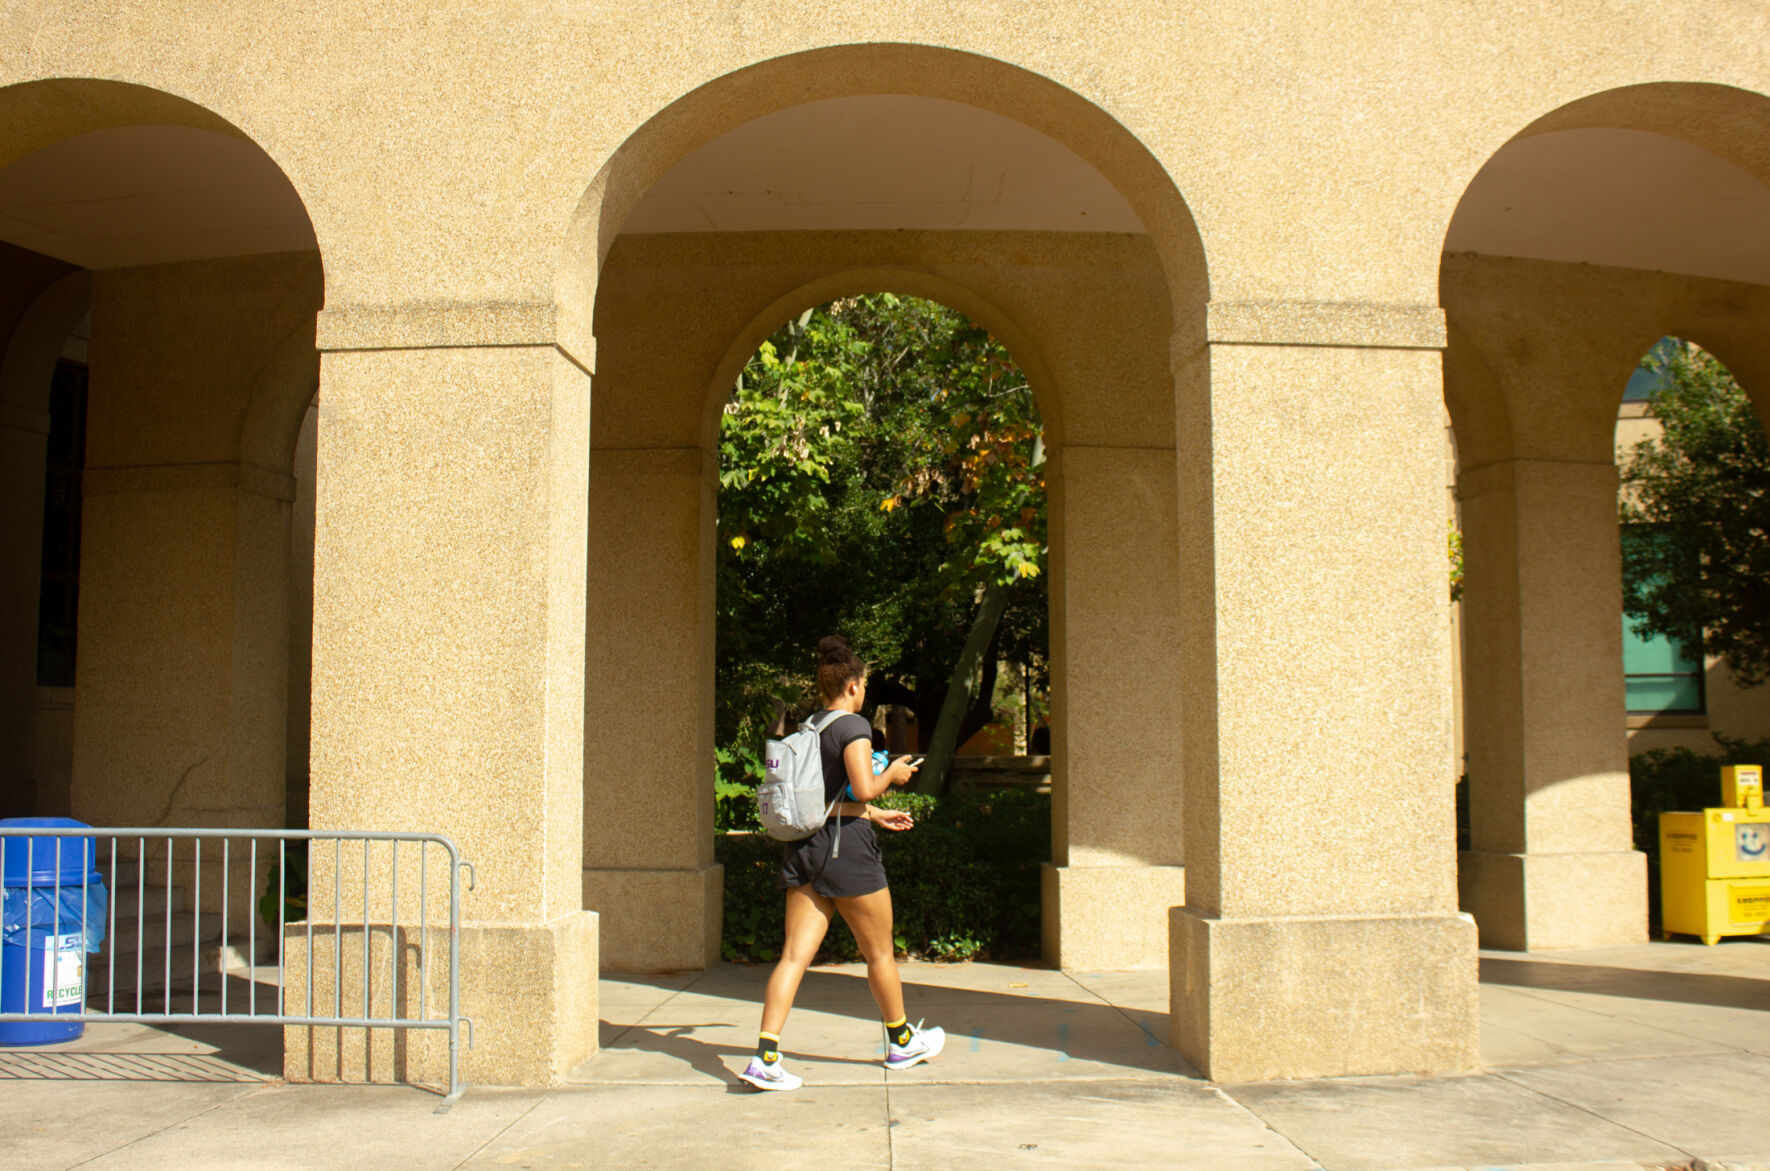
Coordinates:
(60,591)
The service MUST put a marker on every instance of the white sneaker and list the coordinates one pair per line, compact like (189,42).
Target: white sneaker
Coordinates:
(770,1075)
(922,1045)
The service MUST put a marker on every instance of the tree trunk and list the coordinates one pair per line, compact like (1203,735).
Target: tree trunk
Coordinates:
(983,712)
(932,778)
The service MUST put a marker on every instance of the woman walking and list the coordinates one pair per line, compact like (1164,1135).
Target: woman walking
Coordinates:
(820,879)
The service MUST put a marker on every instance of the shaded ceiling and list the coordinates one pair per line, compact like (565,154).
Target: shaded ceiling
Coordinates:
(149,195)
(1618,197)
(882,162)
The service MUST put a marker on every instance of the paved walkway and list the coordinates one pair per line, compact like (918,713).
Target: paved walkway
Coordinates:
(1654,1056)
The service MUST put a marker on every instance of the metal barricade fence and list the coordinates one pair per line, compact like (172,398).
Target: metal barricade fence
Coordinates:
(160,929)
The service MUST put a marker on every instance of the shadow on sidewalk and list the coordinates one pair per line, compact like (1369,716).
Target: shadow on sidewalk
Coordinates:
(39,1065)
(708,1058)
(186,1051)
(1082,1029)
(1635,983)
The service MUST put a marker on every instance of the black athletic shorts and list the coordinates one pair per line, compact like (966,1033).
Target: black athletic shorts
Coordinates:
(858,870)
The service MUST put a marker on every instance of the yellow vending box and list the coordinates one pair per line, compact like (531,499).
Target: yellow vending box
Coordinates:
(1714,866)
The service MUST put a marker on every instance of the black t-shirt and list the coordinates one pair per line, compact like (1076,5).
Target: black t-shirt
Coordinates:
(836,736)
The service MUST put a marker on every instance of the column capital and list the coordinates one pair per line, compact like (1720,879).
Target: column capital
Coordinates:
(1338,324)
(450,326)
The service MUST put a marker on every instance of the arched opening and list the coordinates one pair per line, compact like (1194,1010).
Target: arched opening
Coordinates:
(161,279)
(881,475)
(1603,226)
(934,174)
(1692,459)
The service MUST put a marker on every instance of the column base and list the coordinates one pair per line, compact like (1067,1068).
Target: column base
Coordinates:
(1537,902)
(658,920)
(1098,917)
(1257,999)
(530,990)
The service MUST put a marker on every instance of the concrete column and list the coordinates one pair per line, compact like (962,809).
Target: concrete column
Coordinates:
(1116,808)
(448,643)
(1320,936)
(649,872)
(301,621)
(1553,863)
(183,644)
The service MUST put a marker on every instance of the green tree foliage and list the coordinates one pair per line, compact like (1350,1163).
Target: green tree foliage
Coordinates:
(879,474)
(1454,547)
(1699,573)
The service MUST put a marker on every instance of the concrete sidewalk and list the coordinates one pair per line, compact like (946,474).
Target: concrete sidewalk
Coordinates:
(1653,1056)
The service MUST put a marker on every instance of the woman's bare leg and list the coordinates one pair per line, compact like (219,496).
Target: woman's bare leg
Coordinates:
(808,918)
(869,917)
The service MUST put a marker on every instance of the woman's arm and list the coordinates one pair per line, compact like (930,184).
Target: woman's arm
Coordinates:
(889,818)
(857,759)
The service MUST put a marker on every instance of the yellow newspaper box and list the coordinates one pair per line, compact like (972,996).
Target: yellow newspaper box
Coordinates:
(1714,866)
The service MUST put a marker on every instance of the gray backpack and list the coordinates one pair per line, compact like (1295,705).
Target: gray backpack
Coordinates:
(790,799)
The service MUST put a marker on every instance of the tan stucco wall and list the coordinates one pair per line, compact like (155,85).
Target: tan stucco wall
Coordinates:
(1388,111)
(466,172)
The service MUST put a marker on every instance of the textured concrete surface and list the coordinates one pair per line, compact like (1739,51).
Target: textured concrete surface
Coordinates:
(1615,1060)
(1288,998)
(466,173)
(1111,915)
(1308,838)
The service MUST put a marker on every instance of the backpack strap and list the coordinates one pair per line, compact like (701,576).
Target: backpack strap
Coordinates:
(835,714)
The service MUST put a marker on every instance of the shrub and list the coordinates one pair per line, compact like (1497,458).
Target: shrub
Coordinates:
(964,882)
(736,773)
(734,808)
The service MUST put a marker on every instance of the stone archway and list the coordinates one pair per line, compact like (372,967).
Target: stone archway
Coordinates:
(675,304)
(1113,557)
(195,257)
(1623,221)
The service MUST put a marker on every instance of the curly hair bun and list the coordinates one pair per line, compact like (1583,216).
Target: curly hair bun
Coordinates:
(837,666)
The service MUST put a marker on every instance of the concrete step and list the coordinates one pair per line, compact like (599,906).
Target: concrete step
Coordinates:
(213,961)
(213,966)
(200,933)
(156,933)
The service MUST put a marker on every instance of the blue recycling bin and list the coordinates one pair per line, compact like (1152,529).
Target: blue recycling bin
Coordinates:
(43,962)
